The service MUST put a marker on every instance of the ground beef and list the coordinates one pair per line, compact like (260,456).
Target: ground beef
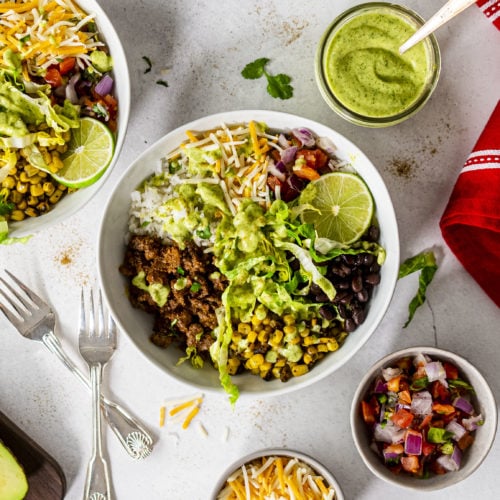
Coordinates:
(188,317)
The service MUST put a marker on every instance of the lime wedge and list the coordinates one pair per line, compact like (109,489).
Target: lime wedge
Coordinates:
(89,153)
(339,205)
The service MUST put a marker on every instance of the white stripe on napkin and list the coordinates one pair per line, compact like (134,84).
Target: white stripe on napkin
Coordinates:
(485,152)
(488,4)
(479,166)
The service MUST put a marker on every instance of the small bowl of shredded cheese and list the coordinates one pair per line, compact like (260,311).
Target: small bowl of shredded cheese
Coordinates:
(277,473)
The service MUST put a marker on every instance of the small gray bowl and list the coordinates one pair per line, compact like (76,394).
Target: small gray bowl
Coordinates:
(281,452)
(473,457)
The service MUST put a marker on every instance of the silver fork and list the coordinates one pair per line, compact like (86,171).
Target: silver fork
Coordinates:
(97,345)
(35,320)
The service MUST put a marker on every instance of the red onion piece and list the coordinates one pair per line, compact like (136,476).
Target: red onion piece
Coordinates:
(435,371)
(283,141)
(388,433)
(421,404)
(456,429)
(276,170)
(390,455)
(70,90)
(288,155)
(413,442)
(451,462)
(104,86)
(389,373)
(463,405)
(471,424)
(380,387)
(305,136)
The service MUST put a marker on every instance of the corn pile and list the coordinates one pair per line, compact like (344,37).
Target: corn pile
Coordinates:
(280,348)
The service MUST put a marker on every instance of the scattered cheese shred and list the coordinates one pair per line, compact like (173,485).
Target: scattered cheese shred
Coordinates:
(181,410)
(276,478)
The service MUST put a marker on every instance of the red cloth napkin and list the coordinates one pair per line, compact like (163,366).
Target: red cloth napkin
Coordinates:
(471,221)
(491,9)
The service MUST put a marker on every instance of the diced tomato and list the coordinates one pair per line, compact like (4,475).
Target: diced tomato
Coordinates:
(273,181)
(403,418)
(395,448)
(393,384)
(315,158)
(53,77)
(305,172)
(66,65)
(427,448)
(404,397)
(426,421)
(451,370)
(410,464)
(443,409)
(439,391)
(368,412)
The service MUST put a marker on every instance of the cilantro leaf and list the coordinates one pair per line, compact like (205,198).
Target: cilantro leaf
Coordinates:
(162,82)
(255,69)
(278,86)
(425,262)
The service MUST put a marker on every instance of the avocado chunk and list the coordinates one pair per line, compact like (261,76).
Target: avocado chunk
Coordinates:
(13,482)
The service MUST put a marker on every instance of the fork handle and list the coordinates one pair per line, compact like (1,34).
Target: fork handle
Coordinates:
(134,438)
(97,485)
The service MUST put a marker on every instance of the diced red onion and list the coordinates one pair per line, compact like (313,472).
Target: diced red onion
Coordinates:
(380,387)
(402,406)
(462,404)
(388,433)
(421,359)
(327,145)
(472,423)
(283,141)
(104,86)
(389,373)
(421,403)
(456,429)
(382,412)
(390,455)
(288,155)
(70,91)
(451,462)
(435,371)
(305,136)
(276,170)
(413,442)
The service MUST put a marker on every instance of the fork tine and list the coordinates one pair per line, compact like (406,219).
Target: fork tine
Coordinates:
(91,330)
(30,293)
(112,329)
(100,315)
(83,324)
(8,314)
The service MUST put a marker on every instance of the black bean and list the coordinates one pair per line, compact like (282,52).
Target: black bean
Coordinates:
(327,312)
(357,284)
(349,325)
(363,295)
(342,311)
(315,289)
(358,315)
(321,297)
(349,259)
(375,267)
(373,278)
(367,259)
(373,233)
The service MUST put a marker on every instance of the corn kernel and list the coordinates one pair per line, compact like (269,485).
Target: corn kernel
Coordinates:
(56,196)
(333,345)
(32,201)
(17,215)
(21,187)
(310,340)
(275,338)
(276,372)
(244,328)
(265,366)
(290,329)
(289,319)
(48,188)
(308,359)
(263,337)
(22,205)
(9,182)
(233,365)
(56,164)
(305,332)
(299,370)
(23,177)
(322,348)
(256,321)
(252,337)
(30,212)
(254,362)
(36,190)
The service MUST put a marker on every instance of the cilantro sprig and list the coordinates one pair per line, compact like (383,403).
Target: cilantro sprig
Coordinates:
(278,86)
(425,262)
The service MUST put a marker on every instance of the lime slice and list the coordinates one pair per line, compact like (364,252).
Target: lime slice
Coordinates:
(89,153)
(340,206)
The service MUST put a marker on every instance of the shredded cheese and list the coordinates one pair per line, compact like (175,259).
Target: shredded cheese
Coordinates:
(181,411)
(276,478)
(43,32)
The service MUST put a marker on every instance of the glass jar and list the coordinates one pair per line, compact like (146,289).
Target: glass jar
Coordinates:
(361,74)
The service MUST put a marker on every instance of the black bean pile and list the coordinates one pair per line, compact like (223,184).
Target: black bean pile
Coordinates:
(354,277)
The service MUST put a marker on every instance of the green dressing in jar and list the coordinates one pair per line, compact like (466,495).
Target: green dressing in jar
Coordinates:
(366,73)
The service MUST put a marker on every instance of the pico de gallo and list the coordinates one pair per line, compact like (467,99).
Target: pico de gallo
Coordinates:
(421,416)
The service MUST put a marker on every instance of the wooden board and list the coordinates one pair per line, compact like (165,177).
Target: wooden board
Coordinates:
(45,477)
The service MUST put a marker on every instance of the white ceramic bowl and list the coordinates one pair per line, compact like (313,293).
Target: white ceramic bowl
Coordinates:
(72,203)
(282,452)
(138,325)
(473,456)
